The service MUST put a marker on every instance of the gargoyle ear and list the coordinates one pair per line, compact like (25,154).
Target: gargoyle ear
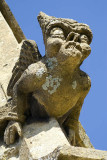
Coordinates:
(43,20)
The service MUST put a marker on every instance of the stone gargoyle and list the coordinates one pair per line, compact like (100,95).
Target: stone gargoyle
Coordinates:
(53,85)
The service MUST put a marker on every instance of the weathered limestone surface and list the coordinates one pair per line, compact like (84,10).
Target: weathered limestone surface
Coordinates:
(57,84)
(79,153)
(9,51)
(9,153)
(46,141)
(83,139)
(42,140)
(10,19)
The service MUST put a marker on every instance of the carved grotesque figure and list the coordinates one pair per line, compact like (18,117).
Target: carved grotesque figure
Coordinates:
(53,85)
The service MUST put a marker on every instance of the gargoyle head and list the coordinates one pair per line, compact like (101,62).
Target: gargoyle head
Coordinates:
(65,39)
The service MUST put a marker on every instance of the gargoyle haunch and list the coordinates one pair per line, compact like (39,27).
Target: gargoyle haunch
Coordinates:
(53,85)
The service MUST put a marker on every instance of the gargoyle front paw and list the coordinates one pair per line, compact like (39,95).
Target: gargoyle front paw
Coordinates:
(11,130)
(72,137)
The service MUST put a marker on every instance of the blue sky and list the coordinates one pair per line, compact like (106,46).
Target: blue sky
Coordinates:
(94,13)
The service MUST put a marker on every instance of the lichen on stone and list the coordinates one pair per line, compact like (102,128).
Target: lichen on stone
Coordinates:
(51,84)
(51,62)
(74,84)
(40,72)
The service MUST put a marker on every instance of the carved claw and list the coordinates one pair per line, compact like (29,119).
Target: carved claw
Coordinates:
(11,130)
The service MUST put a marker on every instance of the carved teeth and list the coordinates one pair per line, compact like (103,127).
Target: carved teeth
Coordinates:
(72,46)
(69,47)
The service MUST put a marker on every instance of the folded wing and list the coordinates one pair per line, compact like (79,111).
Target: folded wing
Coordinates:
(29,54)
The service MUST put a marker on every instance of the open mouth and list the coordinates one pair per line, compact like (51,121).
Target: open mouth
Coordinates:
(72,46)
(70,51)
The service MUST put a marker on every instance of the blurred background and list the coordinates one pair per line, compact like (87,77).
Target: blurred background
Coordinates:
(94,13)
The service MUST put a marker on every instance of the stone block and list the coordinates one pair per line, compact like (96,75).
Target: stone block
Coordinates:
(42,141)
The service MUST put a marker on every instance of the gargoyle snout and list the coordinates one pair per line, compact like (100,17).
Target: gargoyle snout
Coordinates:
(72,36)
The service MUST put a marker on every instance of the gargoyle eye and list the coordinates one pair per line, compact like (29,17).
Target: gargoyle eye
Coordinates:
(84,39)
(57,33)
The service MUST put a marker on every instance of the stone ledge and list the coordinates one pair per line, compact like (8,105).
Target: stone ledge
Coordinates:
(46,141)
(80,153)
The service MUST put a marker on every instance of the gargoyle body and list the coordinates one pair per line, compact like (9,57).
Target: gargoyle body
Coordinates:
(54,86)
